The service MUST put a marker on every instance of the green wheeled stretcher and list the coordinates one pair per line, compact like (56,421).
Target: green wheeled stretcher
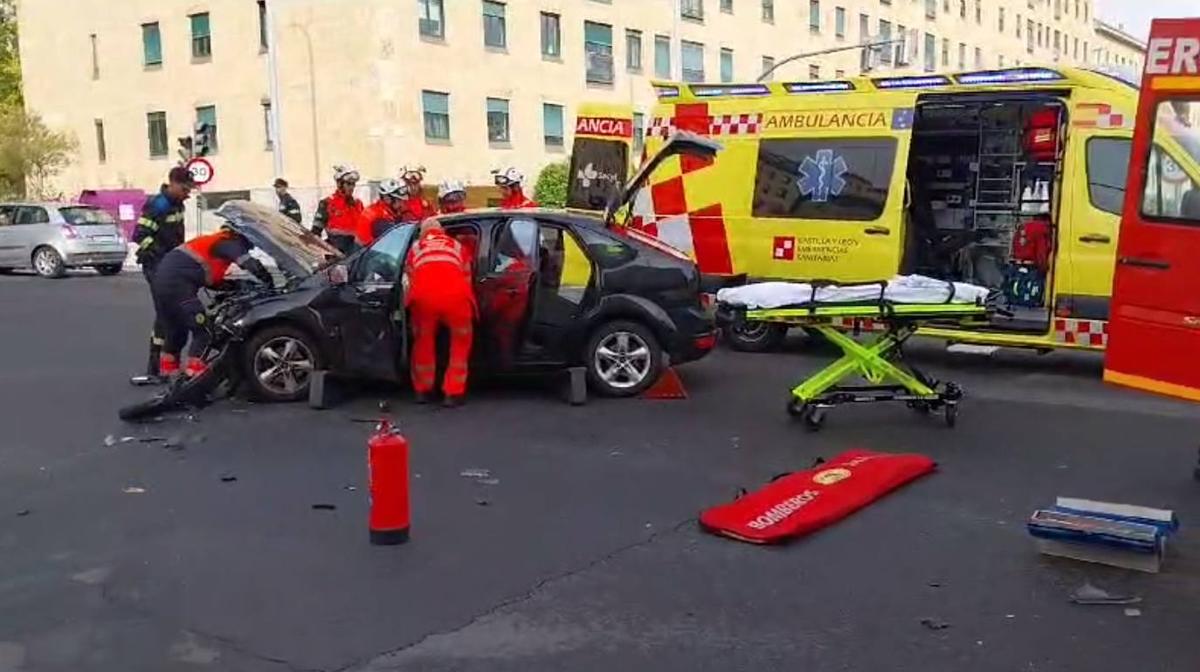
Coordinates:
(878,358)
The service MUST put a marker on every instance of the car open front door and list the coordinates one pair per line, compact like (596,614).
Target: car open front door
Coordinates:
(1154,335)
(371,315)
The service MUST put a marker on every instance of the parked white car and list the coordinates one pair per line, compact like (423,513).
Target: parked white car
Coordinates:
(52,237)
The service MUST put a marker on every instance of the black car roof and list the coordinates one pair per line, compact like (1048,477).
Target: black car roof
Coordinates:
(559,216)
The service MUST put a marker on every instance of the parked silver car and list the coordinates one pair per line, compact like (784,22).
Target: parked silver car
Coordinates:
(52,237)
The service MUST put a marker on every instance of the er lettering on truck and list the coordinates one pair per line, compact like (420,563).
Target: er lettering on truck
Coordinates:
(1173,56)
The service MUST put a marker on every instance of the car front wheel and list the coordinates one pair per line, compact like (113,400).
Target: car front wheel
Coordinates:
(48,263)
(279,362)
(623,359)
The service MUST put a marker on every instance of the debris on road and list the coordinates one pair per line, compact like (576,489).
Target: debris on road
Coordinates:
(351,488)
(110,441)
(482,502)
(1133,612)
(1090,594)
(228,478)
(475,473)
(934,623)
(134,490)
(324,507)
(489,481)
(151,439)
(1108,533)
(23,512)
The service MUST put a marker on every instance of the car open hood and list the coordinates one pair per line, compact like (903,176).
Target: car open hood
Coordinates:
(297,251)
(682,142)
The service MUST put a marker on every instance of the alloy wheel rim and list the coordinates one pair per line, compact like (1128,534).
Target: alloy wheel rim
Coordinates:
(622,360)
(283,365)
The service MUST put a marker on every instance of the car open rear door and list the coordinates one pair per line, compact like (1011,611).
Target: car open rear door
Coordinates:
(1154,333)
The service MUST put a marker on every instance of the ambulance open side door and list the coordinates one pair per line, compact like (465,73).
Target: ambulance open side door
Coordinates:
(1154,332)
(600,155)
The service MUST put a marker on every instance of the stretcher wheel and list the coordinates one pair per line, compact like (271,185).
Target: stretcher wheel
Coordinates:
(951,415)
(814,418)
(795,407)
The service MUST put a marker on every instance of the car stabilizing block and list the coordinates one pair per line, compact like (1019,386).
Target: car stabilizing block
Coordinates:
(576,386)
(323,391)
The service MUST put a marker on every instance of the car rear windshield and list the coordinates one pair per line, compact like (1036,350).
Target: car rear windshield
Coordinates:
(86,216)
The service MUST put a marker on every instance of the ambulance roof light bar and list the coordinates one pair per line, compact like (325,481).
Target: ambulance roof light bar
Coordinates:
(818,87)
(711,90)
(666,91)
(1010,76)
(916,82)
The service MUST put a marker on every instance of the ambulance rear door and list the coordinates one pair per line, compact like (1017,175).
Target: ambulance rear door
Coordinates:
(600,156)
(829,188)
(1154,334)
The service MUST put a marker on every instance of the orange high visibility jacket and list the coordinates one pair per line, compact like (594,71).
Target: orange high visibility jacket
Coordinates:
(417,209)
(373,220)
(201,251)
(438,269)
(339,214)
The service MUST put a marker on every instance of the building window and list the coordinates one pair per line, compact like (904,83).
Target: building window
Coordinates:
(156,129)
(1086,53)
(436,107)
(839,21)
(497,120)
(494,31)
(839,73)
(1018,26)
(930,52)
(962,9)
(768,68)
(692,58)
(1001,20)
(692,9)
(885,34)
(945,53)
(1057,38)
(95,57)
(208,115)
(864,28)
(1085,10)
(931,9)
(263,42)
(979,12)
(978,58)
(727,6)
(962,56)
(1076,9)
(552,125)
(901,47)
(633,50)
(597,47)
(1075,49)
(1029,35)
(101,147)
(1058,9)
(768,11)
(431,18)
(151,45)
(551,35)
(201,37)
(662,57)
(268,125)
(814,16)
(814,71)
(1002,60)
(726,65)
(639,132)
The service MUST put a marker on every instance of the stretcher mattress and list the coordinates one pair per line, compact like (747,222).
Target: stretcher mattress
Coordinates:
(902,289)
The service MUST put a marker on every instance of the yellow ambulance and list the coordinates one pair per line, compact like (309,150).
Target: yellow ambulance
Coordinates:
(1012,179)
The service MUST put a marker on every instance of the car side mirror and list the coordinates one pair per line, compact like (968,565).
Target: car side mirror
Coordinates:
(338,275)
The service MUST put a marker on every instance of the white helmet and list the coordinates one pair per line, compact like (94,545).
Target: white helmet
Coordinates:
(391,187)
(345,174)
(450,187)
(412,173)
(508,177)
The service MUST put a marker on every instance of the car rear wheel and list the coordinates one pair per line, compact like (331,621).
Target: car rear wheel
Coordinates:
(48,263)
(623,359)
(279,362)
(109,269)
(755,336)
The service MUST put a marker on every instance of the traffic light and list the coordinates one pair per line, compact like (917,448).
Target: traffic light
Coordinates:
(203,139)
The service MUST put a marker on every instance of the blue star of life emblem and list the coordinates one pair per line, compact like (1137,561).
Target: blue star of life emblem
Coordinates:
(822,176)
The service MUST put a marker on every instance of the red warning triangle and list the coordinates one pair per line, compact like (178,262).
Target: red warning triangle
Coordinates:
(668,386)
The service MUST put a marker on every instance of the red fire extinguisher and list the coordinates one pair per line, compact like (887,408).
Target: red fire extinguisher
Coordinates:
(387,474)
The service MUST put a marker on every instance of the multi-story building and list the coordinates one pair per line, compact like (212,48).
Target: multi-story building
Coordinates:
(461,86)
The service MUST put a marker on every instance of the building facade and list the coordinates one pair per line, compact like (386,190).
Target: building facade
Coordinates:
(462,86)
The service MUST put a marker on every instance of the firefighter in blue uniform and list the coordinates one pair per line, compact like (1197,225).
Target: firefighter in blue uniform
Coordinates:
(160,230)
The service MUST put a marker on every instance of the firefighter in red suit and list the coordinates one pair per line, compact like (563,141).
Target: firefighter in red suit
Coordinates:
(439,294)
(452,197)
(200,262)
(416,208)
(338,215)
(509,300)
(382,214)
(512,191)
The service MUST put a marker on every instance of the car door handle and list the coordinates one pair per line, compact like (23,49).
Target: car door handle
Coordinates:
(877,231)
(1095,238)
(1155,264)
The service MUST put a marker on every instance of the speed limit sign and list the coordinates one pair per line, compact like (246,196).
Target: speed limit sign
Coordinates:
(201,170)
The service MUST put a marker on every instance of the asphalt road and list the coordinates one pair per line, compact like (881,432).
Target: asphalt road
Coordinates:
(583,552)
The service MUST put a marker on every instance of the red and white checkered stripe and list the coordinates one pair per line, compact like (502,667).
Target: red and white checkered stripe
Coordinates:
(734,124)
(661,127)
(864,323)
(1091,333)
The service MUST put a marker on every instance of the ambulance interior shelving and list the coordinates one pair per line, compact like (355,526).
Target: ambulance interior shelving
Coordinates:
(983,180)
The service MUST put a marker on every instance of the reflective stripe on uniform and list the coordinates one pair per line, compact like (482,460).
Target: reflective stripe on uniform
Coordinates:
(147,223)
(146,243)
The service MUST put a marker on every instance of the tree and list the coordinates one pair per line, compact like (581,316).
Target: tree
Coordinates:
(30,152)
(550,191)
